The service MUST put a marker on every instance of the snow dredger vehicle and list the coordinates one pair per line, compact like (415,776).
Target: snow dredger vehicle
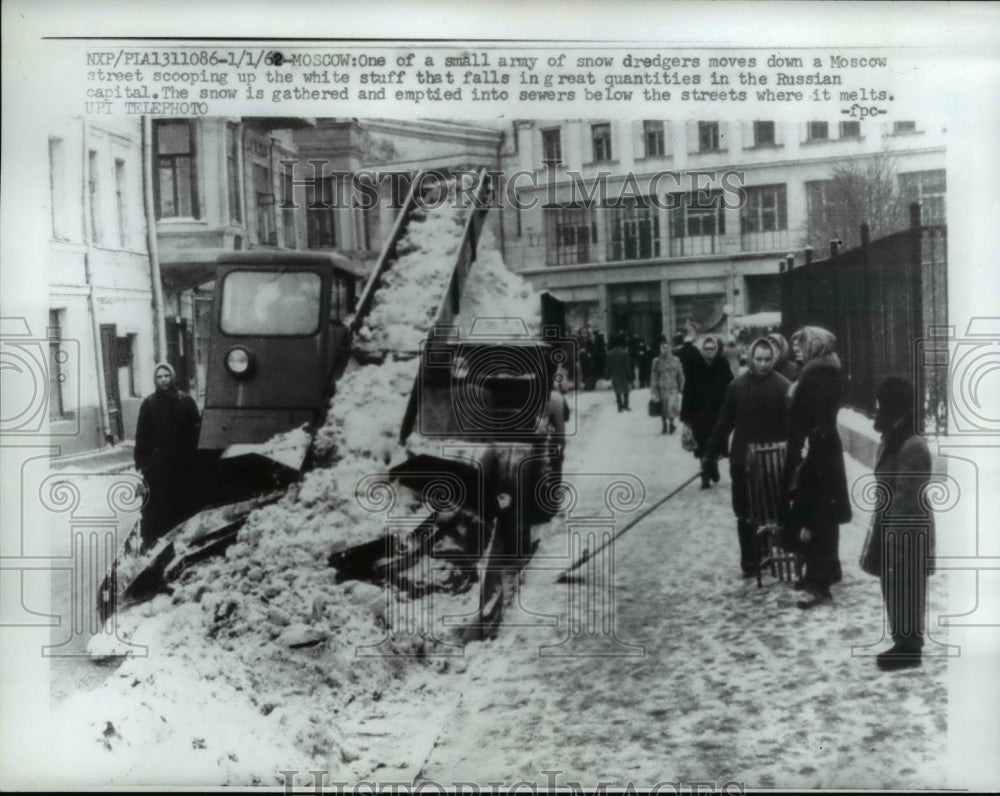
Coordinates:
(284,331)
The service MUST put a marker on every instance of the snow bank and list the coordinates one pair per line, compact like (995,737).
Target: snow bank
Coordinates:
(254,659)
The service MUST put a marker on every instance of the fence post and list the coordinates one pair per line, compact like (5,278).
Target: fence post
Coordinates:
(834,248)
(809,254)
(916,326)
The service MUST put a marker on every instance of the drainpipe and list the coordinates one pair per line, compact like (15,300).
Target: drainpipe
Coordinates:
(102,387)
(498,197)
(148,202)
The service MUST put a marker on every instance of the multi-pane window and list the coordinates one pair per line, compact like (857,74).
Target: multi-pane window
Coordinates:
(321,220)
(765,209)
(928,188)
(818,202)
(697,223)
(94,195)
(652,138)
(233,174)
(568,235)
(552,145)
(904,127)
(850,129)
(817,131)
(601,136)
(57,409)
(708,136)
(176,188)
(57,188)
(764,218)
(763,134)
(633,230)
(121,216)
(288,207)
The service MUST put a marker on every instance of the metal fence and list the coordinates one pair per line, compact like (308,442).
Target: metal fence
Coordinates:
(883,301)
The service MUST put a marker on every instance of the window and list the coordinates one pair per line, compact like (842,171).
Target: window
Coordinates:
(708,136)
(633,230)
(233,174)
(271,303)
(601,136)
(321,214)
(552,146)
(120,214)
(928,188)
(94,196)
(764,218)
(126,365)
(763,134)
(850,129)
(817,131)
(697,223)
(568,235)
(263,191)
(341,297)
(819,204)
(57,409)
(652,138)
(904,127)
(176,194)
(288,207)
(57,188)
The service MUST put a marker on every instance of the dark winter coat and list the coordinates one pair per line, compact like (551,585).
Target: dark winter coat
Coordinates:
(705,385)
(818,493)
(166,435)
(755,411)
(619,368)
(903,470)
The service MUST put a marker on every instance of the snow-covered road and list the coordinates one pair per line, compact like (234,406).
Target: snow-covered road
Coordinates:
(686,670)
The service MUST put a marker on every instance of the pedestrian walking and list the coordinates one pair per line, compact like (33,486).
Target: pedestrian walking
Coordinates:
(600,353)
(645,364)
(785,364)
(816,500)
(166,439)
(705,382)
(666,384)
(619,370)
(755,411)
(899,549)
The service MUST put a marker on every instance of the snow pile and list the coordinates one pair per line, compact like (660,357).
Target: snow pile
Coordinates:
(496,301)
(255,656)
(414,285)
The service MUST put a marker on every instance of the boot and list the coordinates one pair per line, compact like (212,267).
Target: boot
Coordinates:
(673,428)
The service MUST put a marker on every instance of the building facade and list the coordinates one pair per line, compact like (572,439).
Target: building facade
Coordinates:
(642,224)
(99,282)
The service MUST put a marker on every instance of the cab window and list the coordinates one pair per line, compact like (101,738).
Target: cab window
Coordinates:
(279,303)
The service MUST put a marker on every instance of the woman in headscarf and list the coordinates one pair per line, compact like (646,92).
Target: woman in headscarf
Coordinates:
(816,497)
(785,364)
(704,392)
(755,412)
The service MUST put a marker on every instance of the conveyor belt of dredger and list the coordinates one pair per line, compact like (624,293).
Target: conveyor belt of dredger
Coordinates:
(450,303)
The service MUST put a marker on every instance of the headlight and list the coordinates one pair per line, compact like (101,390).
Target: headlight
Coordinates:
(239,362)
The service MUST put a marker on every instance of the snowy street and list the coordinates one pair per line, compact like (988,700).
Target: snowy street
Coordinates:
(735,683)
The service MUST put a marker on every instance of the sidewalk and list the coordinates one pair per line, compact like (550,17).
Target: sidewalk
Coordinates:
(111,459)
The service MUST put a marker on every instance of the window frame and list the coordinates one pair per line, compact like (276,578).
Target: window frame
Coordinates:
(654,132)
(600,138)
(817,131)
(173,158)
(552,136)
(559,220)
(709,137)
(761,140)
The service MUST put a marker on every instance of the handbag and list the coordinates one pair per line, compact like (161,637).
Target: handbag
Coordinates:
(687,439)
(655,408)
